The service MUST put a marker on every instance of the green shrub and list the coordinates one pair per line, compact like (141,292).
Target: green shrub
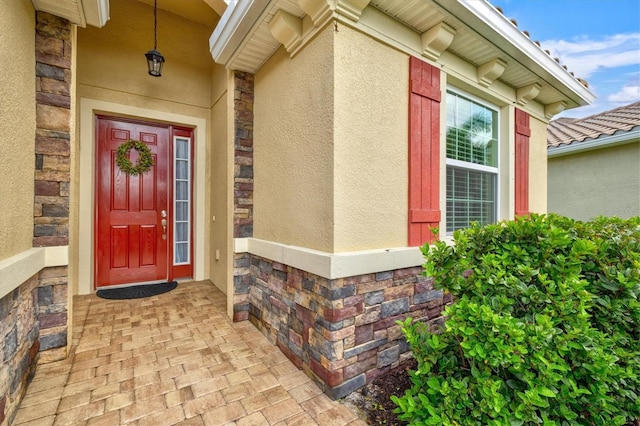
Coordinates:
(544,328)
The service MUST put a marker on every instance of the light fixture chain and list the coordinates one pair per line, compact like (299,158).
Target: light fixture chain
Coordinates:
(155,24)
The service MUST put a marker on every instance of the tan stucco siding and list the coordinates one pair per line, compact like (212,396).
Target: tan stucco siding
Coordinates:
(593,183)
(293,147)
(371,143)
(17,125)
(112,65)
(221,171)
(537,166)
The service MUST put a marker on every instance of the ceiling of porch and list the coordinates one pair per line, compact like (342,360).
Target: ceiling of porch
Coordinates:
(96,12)
(206,12)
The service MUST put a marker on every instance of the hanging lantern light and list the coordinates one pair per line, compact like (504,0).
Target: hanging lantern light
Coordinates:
(155,60)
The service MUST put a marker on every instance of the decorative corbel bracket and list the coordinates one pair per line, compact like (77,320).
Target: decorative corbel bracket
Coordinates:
(490,71)
(352,9)
(320,11)
(526,93)
(287,29)
(555,108)
(436,40)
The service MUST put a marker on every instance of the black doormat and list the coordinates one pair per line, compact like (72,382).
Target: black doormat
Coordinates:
(136,291)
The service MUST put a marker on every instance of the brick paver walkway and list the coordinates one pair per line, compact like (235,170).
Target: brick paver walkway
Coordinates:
(173,359)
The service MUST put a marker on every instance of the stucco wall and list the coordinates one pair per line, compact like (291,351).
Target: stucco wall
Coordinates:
(17,125)
(600,182)
(293,147)
(221,171)
(112,66)
(332,176)
(371,134)
(538,166)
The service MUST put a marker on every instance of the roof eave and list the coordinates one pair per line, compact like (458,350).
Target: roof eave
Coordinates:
(241,18)
(492,25)
(96,12)
(620,138)
(78,12)
(235,24)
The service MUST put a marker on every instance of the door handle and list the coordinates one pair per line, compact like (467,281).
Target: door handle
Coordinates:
(163,222)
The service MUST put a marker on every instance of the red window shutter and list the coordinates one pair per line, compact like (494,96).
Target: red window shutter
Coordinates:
(424,151)
(523,132)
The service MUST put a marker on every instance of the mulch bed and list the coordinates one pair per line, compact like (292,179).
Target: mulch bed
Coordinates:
(373,402)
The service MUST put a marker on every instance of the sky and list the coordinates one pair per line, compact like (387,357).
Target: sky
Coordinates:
(598,40)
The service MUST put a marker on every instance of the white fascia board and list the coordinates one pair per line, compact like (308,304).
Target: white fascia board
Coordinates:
(517,42)
(234,25)
(96,12)
(617,139)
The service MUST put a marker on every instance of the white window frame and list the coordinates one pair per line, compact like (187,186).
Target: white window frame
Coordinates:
(473,166)
(175,200)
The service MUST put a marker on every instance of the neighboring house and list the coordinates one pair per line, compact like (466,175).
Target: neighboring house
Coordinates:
(594,164)
(298,170)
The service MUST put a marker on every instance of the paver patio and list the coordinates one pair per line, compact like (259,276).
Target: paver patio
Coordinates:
(170,359)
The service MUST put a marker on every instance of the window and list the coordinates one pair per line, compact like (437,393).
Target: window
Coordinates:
(182,201)
(472,162)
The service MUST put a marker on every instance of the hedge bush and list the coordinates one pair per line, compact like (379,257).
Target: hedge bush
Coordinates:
(544,328)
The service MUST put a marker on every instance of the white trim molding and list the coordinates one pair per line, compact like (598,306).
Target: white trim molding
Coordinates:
(249,32)
(17,269)
(486,19)
(332,265)
(78,12)
(234,25)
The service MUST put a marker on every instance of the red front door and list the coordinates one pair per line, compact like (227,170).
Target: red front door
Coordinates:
(132,244)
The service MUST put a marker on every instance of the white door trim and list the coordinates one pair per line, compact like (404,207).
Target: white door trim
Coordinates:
(86,184)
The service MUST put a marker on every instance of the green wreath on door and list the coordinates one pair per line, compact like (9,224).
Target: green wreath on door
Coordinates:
(145,159)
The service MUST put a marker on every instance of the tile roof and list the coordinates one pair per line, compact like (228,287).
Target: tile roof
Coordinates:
(567,131)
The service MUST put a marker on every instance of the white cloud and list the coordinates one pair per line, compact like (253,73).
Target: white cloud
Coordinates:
(628,94)
(584,55)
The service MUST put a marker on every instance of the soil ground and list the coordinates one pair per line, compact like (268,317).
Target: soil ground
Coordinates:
(373,402)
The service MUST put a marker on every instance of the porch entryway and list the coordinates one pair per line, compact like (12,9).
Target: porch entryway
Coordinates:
(175,358)
(185,128)
(143,229)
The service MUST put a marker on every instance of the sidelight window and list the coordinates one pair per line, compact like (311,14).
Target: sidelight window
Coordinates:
(182,201)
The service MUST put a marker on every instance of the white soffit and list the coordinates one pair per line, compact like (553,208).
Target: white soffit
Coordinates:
(487,22)
(242,40)
(79,12)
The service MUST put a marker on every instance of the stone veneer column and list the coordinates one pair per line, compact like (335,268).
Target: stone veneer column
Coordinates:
(52,175)
(242,189)
(19,332)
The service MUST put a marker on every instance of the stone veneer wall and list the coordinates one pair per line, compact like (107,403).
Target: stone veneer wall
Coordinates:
(242,188)
(341,332)
(52,176)
(33,317)
(19,331)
